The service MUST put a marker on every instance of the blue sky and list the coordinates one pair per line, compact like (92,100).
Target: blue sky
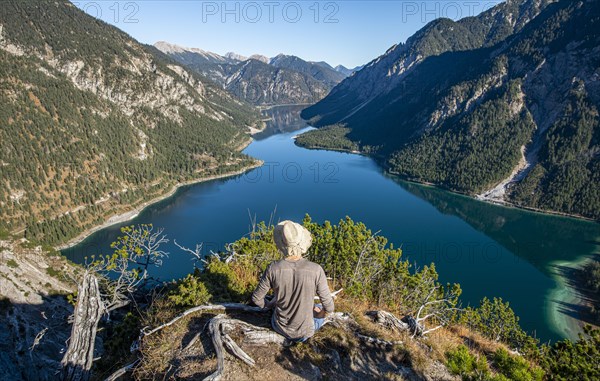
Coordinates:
(348,32)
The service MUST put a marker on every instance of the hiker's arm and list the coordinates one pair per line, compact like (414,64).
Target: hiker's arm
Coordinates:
(258,297)
(323,292)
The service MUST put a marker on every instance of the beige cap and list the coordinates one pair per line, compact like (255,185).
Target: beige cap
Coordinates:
(292,239)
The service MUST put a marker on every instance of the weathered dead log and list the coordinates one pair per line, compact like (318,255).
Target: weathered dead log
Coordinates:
(262,337)
(408,323)
(209,307)
(389,320)
(214,327)
(236,350)
(77,361)
(219,328)
(337,318)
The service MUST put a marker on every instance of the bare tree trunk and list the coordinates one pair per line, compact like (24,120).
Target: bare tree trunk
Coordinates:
(214,327)
(77,362)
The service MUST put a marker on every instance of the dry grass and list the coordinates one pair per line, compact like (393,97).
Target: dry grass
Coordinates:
(419,354)
(475,341)
(164,356)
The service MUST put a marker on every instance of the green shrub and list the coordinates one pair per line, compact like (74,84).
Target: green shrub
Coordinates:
(4,234)
(190,292)
(508,368)
(229,281)
(592,275)
(12,263)
(368,268)
(52,272)
(354,257)
(461,362)
(516,368)
(497,321)
(567,360)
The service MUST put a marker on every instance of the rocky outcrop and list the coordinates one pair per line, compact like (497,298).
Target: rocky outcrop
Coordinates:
(34,311)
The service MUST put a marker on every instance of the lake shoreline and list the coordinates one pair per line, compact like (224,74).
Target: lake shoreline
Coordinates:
(568,294)
(129,215)
(521,243)
(506,204)
(563,293)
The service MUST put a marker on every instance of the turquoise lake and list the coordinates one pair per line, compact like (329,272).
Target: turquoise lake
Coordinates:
(490,250)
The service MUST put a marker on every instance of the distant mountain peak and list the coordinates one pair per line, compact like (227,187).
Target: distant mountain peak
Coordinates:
(169,48)
(246,76)
(235,56)
(347,72)
(259,57)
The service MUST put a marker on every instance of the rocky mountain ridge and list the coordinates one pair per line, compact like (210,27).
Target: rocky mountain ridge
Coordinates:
(510,116)
(386,72)
(259,80)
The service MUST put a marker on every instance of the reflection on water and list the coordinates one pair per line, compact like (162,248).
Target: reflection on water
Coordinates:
(538,238)
(490,250)
(282,119)
(557,246)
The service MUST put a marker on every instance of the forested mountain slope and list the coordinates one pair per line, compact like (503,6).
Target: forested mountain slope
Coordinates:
(320,71)
(515,120)
(93,123)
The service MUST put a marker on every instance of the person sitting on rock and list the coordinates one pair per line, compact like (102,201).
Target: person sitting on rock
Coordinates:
(295,281)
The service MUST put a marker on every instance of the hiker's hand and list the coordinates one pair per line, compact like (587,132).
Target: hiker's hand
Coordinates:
(318,313)
(270,303)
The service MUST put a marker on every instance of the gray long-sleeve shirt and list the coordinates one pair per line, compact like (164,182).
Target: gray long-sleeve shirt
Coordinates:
(294,284)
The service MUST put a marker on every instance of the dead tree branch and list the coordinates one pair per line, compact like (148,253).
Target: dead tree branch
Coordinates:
(197,253)
(120,372)
(388,320)
(77,361)
(209,307)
